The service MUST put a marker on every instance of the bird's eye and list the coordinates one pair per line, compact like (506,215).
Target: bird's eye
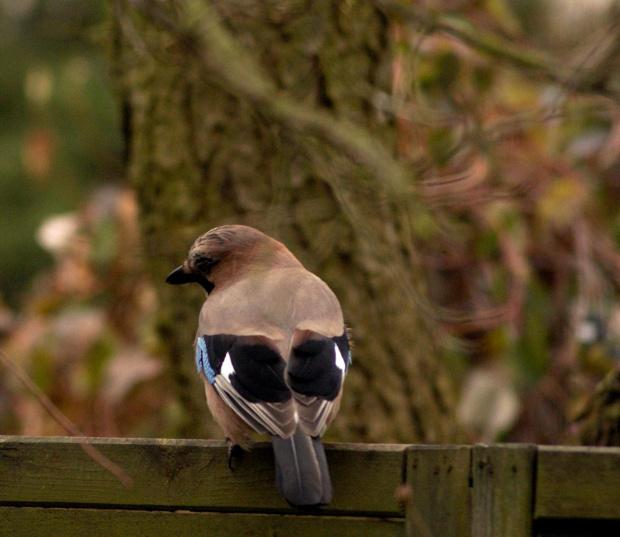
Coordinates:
(204,264)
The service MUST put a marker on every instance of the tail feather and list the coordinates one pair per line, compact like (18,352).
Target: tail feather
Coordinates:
(302,476)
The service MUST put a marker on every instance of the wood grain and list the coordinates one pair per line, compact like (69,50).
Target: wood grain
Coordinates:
(49,486)
(502,490)
(438,477)
(578,482)
(186,474)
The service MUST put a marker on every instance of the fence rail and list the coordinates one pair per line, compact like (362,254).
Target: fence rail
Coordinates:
(49,486)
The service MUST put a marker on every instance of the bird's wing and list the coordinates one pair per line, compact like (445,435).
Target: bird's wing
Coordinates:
(315,373)
(249,377)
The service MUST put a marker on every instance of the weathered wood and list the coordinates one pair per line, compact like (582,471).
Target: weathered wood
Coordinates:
(502,490)
(365,477)
(40,522)
(438,477)
(577,482)
(186,474)
(50,486)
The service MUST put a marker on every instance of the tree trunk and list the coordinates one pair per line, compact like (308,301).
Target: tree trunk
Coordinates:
(261,113)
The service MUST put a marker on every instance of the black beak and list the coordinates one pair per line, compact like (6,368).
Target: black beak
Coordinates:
(179,276)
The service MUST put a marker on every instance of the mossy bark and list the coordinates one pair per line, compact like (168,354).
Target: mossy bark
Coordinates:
(206,147)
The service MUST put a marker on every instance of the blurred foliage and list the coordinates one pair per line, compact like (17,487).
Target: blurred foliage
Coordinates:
(85,336)
(59,132)
(598,423)
(522,175)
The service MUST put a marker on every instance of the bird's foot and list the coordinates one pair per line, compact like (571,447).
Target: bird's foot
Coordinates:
(235,454)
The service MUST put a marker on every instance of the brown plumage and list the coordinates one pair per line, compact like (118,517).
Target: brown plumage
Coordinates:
(272,348)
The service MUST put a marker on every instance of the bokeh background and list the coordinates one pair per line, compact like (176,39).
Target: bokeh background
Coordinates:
(522,170)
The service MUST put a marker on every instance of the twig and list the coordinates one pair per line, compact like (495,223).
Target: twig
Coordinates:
(229,64)
(534,61)
(65,422)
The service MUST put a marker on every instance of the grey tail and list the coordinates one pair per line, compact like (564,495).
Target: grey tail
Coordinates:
(302,476)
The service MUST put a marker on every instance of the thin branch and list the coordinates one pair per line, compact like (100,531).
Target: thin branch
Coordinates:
(65,422)
(230,65)
(523,57)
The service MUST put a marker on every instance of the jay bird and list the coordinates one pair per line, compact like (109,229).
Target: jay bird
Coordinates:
(272,349)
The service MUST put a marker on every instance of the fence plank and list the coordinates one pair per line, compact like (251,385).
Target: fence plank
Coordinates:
(577,482)
(439,480)
(49,486)
(187,474)
(43,522)
(502,494)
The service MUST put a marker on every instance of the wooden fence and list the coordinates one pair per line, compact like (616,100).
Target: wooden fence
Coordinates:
(182,488)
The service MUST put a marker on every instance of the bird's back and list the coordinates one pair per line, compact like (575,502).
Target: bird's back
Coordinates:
(274,304)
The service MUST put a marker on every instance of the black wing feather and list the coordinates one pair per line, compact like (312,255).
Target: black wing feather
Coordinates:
(259,374)
(314,368)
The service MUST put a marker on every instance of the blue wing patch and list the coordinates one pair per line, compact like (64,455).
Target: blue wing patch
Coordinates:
(211,351)
(255,371)
(202,360)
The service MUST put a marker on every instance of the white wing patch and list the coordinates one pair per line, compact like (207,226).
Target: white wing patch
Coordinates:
(227,369)
(339,360)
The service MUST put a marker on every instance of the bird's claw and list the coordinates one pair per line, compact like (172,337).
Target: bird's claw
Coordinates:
(235,454)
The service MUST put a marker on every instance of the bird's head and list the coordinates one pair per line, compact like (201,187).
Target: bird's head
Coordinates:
(228,252)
